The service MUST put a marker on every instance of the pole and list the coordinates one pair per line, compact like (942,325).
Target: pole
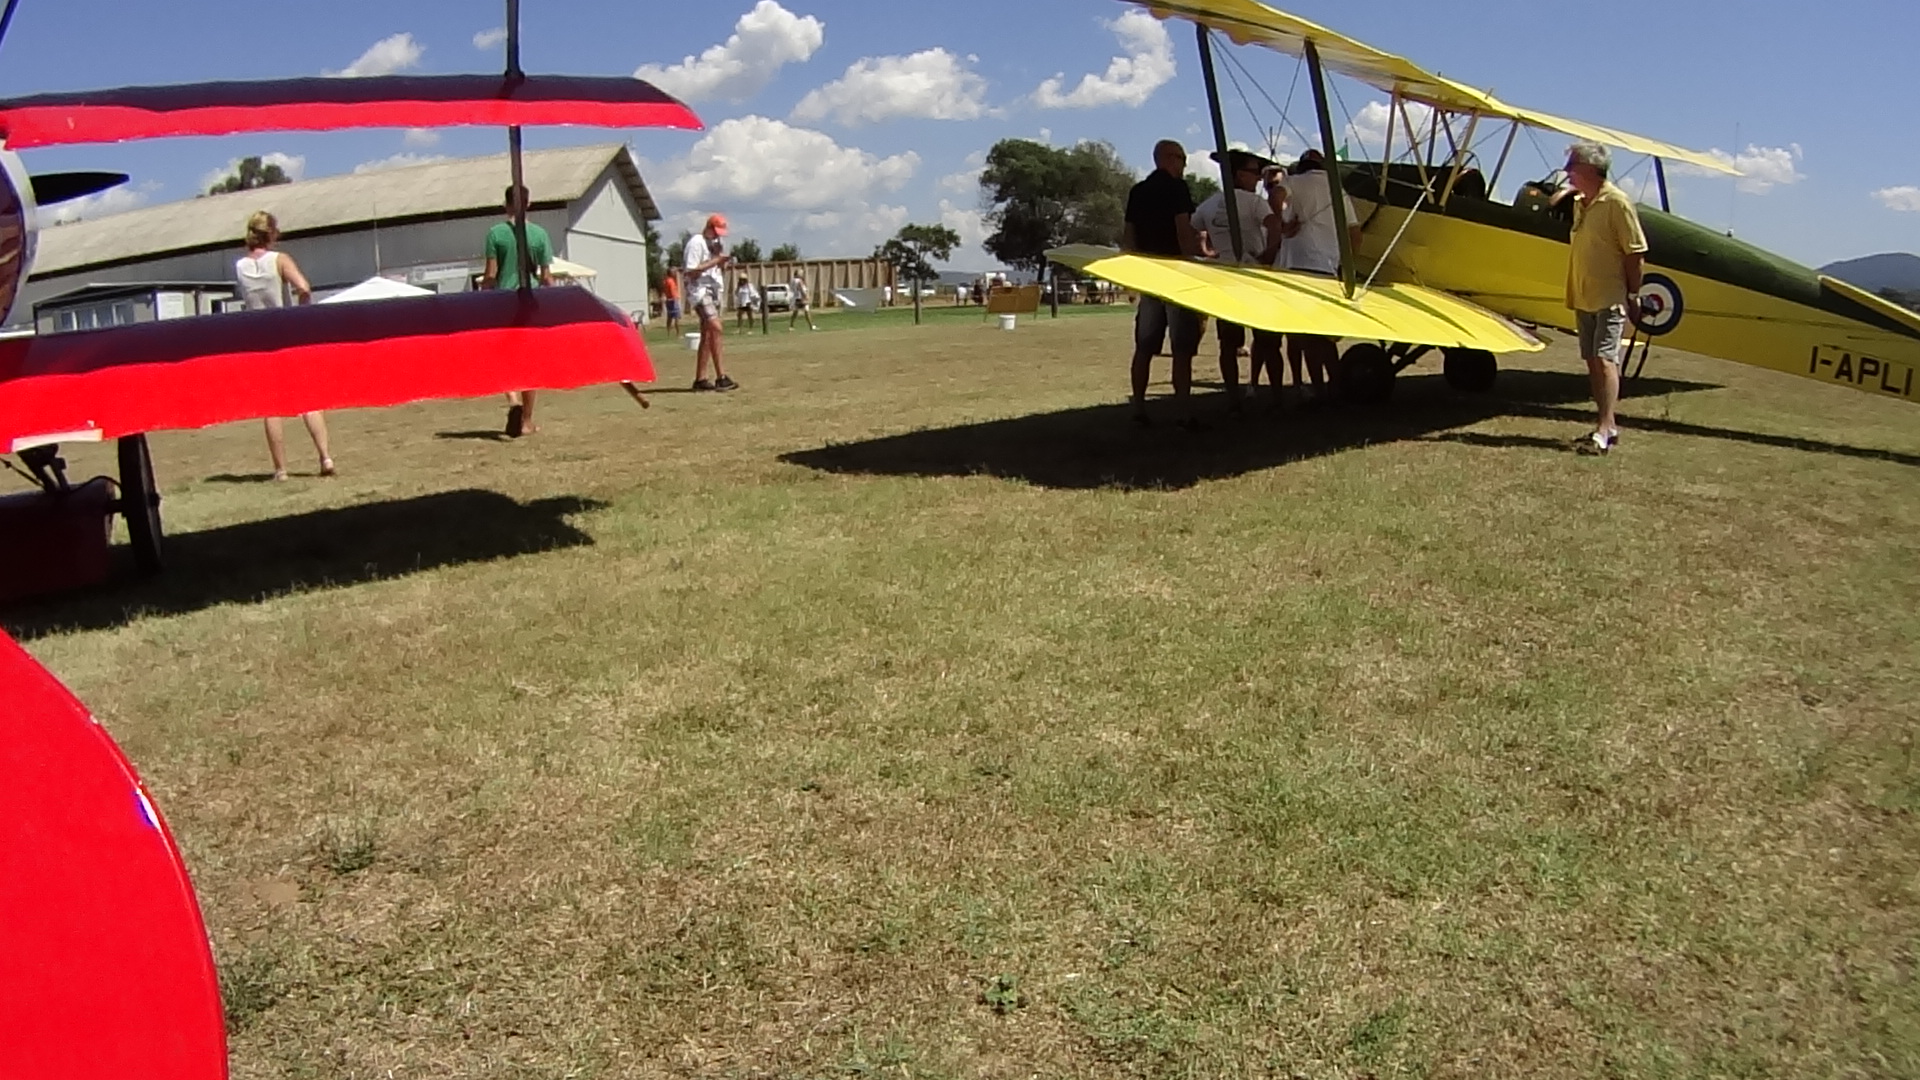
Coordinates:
(1459,158)
(1053,288)
(1660,175)
(1334,177)
(1220,142)
(1494,180)
(1386,150)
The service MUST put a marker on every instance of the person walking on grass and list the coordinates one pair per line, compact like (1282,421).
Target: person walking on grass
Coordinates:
(1604,264)
(266,278)
(801,302)
(503,272)
(705,263)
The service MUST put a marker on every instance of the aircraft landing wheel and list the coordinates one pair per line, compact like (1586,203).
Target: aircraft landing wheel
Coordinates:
(1470,371)
(140,503)
(1366,374)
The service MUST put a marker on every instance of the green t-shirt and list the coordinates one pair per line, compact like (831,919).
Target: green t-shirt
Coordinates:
(506,254)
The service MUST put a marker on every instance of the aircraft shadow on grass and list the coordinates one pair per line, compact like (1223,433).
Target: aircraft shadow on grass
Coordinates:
(343,546)
(1098,446)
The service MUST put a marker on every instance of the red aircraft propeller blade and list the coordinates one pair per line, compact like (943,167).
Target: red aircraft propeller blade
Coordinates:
(226,108)
(189,373)
(106,972)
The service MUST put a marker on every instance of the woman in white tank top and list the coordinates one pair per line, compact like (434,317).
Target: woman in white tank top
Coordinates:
(264,277)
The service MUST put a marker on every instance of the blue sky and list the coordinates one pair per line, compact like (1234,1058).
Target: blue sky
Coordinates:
(831,122)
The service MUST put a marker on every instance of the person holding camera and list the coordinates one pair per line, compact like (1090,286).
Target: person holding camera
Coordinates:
(705,263)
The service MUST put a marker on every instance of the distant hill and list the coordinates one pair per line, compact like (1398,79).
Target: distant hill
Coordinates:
(1898,271)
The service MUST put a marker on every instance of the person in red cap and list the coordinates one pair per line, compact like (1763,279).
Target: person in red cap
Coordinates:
(705,262)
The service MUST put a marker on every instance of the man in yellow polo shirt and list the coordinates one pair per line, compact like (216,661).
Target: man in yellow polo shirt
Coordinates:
(1603,280)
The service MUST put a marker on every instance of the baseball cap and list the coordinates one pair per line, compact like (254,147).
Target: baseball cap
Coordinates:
(717,223)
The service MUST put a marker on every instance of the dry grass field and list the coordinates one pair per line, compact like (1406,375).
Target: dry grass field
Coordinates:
(910,713)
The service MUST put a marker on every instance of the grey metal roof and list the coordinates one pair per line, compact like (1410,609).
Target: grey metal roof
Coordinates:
(334,204)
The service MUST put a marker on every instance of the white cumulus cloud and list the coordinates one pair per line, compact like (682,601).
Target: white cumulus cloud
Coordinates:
(967,180)
(1905,198)
(753,162)
(421,137)
(930,85)
(294,165)
(763,40)
(114,200)
(1763,167)
(487,39)
(852,231)
(1128,80)
(384,57)
(970,224)
(398,161)
(1367,133)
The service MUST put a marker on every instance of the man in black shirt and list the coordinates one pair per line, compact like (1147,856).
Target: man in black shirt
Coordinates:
(1160,222)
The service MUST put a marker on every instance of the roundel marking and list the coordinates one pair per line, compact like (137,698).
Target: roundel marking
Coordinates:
(1661,304)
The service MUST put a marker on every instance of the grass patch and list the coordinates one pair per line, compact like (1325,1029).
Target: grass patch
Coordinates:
(912,713)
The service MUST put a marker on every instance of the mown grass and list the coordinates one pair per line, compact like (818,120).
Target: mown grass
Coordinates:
(910,713)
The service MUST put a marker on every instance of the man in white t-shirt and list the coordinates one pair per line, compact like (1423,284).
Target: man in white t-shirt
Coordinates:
(1260,236)
(704,262)
(1313,245)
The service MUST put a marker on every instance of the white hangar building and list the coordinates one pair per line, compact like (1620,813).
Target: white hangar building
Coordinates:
(424,224)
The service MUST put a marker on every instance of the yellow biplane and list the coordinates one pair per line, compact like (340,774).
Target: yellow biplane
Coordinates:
(1440,261)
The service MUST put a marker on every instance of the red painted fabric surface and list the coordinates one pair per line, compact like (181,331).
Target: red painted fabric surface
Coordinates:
(226,108)
(105,971)
(189,373)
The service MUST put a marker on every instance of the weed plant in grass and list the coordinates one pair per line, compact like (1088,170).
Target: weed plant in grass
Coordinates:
(912,713)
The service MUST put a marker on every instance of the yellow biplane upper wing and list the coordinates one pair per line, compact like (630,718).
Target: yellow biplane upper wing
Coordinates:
(1290,302)
(1248,22)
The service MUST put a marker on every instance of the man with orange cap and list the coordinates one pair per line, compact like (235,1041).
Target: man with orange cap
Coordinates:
(705,262)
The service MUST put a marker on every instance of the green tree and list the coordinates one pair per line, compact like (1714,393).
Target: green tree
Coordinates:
(785,253)
(910,251)
(746,250)
(250,173)
(1203,185)
(1041,196)
(657,260)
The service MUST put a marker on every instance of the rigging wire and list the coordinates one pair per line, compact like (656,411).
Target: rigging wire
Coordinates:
(1282,110)
(6,19)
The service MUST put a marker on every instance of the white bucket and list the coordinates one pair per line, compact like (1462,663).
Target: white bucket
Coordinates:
(693,342)
(1006,322)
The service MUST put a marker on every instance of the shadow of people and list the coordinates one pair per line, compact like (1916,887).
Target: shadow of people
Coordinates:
(1757,438)
(347,545)
(492,435)
(1098,446)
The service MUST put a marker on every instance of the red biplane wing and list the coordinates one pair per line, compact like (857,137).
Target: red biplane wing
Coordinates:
(226,108)
(106,972)
(189,373)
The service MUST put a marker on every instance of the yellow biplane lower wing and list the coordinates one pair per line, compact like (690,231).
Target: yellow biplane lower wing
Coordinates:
(1291,302)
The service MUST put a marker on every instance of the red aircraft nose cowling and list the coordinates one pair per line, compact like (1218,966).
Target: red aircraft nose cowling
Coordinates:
(106,972)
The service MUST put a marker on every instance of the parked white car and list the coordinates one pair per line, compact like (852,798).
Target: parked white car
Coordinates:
(779,297)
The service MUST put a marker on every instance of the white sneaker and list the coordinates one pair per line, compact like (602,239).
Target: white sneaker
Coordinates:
(1595,442)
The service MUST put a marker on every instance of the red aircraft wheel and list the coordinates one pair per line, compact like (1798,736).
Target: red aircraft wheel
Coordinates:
(1365,374)
(1470,371)
(140,503)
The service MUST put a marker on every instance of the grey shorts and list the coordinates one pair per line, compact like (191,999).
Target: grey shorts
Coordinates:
(1601,333)
(706,308)
(1156,318)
